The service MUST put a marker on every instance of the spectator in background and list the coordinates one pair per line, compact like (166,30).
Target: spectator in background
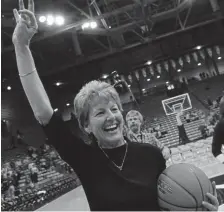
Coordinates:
(210,120)
(194,116)
(214,116)
(158,131)
(134,122)
(187,117)
(203,129)
(218,138)
(183,138)
(29,186)
(17,174)
(210,130)
(34,175)
(44,148)
(202,114)
(11,192)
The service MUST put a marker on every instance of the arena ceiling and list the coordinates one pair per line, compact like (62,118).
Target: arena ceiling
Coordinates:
(129,33)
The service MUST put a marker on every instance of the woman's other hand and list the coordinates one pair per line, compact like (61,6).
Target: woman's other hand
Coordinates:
(212,204)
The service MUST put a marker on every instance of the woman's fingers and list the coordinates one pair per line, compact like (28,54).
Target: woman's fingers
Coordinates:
(209,206)
(214,189)
(21,5)
(33,22)
(31,6)
(212,204)
(213,199)
(16,15)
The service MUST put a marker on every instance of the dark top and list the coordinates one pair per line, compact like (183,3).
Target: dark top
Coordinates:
(218,138)
(106,187)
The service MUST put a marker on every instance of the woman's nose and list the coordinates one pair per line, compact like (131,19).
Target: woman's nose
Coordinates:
(110,116)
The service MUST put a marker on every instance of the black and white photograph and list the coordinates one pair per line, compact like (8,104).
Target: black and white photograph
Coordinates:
(112,105)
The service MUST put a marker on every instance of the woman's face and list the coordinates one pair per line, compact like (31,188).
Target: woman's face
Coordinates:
(105,122)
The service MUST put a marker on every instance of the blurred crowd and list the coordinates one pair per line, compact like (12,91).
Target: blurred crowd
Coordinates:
(30,165)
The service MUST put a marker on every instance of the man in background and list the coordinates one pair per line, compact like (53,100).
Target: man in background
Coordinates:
(134,122)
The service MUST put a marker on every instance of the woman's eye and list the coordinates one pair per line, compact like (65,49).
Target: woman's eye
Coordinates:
(114,109)
(100,113)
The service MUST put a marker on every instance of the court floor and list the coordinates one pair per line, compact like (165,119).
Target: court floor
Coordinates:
(74,200)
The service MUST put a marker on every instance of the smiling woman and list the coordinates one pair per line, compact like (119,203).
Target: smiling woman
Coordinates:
(116,174)
(98,110)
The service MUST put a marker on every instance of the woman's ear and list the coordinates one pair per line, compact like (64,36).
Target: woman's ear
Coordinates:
(87,128)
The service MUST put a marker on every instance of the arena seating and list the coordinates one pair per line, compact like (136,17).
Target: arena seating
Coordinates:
(198,153)
(169,124)
(52,182)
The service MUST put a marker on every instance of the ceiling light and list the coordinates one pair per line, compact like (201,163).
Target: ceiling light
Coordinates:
(109,27)
(198,47)
(219,58)
(85,25)
(143,89)
(179,70)
(56,109)
(158,77)
(167,82)
(67,104)
(129,86)
(93,24)
(50,19)
(59,20)
(148,79)
(104,76)
(58,84)
(42,19)
(149,62)
(199,64)
(9,88)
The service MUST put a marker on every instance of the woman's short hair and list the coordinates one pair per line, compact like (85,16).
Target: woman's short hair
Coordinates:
(88,92)
(134,113)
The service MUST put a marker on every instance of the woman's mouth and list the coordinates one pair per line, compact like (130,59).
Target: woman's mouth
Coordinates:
(111,128)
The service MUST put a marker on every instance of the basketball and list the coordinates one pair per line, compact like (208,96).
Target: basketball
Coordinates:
(182,187)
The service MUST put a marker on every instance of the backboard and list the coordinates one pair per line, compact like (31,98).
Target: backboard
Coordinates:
(177,104)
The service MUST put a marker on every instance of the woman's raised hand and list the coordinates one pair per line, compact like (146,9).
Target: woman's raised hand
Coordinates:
(26,24)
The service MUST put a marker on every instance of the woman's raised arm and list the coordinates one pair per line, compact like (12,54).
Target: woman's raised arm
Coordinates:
(26,27)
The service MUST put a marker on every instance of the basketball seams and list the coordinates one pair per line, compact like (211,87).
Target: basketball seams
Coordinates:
(177,179)
(201,189)
(173,204)
(181,187)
